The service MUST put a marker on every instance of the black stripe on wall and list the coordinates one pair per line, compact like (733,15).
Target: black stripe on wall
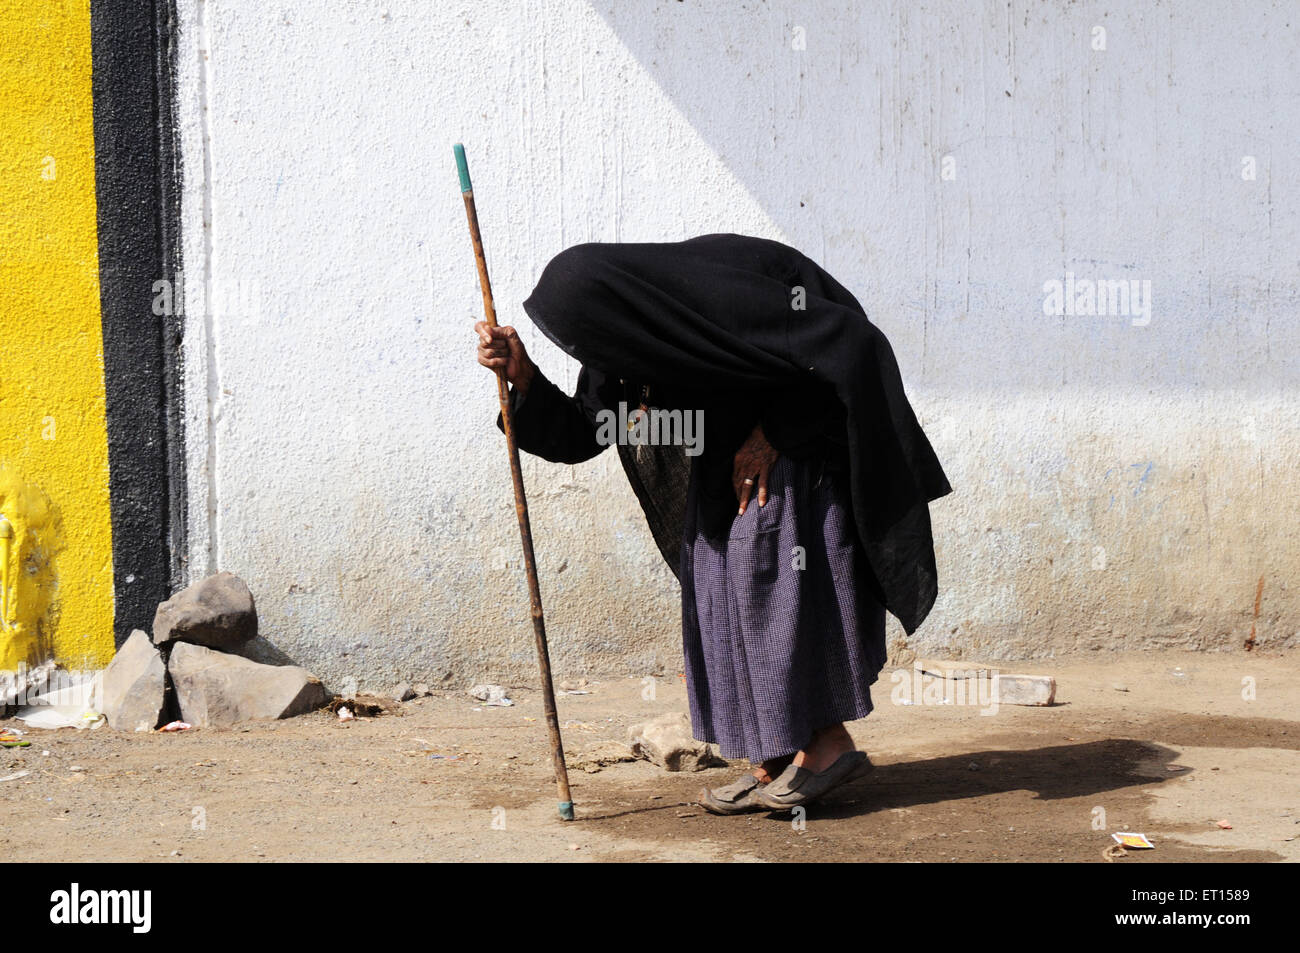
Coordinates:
(137,191)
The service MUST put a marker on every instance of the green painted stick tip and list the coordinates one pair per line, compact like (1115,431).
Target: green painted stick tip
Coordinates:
(462,167)
(566,810)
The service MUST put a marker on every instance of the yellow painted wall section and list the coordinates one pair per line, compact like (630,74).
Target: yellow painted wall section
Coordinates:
(57,567)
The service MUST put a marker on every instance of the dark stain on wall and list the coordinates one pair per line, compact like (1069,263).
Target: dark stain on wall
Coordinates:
(137,186)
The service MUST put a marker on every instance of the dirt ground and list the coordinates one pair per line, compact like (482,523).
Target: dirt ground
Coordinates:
(1176,753)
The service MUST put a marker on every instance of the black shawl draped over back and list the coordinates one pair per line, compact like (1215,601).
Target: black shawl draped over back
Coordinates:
(750,331)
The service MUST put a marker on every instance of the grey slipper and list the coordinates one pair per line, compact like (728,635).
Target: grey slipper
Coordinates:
(796,785)
(735,798)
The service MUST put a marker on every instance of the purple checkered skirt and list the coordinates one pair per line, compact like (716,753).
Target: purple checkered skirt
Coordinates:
(774,652)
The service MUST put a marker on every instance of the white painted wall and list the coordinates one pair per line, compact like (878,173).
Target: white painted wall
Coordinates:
(1118,485)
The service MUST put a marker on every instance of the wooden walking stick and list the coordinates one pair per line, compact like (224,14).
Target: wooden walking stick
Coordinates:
(521,502)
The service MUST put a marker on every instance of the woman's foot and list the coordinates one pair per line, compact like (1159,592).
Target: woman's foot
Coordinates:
(829,760)
(770,768)
(740,796)
(825,748)
(798,786)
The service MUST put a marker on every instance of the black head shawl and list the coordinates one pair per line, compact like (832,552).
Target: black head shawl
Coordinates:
(729,314)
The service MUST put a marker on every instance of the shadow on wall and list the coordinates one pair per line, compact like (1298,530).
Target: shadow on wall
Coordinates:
(31,537)
(261,649)
(949,164)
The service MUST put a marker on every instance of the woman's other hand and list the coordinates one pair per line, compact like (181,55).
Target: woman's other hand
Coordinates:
(499,348)
(753,463)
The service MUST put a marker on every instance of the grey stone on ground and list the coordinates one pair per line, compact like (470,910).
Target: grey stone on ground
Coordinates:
(667,741)
(218,612)
(403,691)
(493,695)
(422,689)
(1035,690)
(217,690)
(134,681)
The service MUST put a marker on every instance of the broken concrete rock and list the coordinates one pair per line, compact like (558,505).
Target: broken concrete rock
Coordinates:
(1024,689)
(218,612)
(133,685)
(216,690)
(667,741)
(402,691)
(493,695)
(591,758)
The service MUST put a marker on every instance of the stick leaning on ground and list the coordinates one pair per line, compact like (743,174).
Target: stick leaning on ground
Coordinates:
(521,502)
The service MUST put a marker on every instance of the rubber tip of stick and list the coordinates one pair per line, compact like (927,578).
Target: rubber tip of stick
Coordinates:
(566,810)
(462,167)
